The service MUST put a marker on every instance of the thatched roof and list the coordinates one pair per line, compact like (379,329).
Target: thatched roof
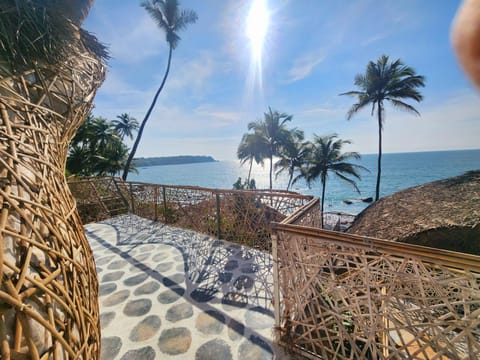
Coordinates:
(443,214)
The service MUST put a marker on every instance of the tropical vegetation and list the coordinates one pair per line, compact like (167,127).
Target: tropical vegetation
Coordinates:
(325,156)
(170,19)
(98,148)
(269,136)
(301,159)
(385,81)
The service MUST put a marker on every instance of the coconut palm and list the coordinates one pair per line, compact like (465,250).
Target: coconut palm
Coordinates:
(171,19)
(326,157)
(385,81)
(103,133)
(251,148)
(273,133)
(292,157)
(125,125)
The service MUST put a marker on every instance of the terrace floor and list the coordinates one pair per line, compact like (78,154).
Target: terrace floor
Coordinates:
(172,293)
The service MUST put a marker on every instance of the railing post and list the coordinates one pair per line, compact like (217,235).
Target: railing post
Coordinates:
(219,230)
(130,187)
(164,193)
(155,194)
(276,285)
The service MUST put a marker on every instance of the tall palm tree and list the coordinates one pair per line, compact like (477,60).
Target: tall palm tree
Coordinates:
(273,132)
(125,125)
(292,156)
(251,148)
(170,19)
(326,157)
(385,81)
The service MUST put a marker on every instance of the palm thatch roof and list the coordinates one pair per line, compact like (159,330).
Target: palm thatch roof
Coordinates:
(443,214)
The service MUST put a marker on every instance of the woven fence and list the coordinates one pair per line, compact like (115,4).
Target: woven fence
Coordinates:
(241,216)
(342,296)
(48,291)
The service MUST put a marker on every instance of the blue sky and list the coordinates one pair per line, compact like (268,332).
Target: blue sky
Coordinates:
(312,52)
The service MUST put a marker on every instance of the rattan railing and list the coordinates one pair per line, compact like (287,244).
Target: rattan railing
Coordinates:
(343,296)
(243,217)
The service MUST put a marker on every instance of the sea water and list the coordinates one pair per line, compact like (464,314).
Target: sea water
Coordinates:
(399,171)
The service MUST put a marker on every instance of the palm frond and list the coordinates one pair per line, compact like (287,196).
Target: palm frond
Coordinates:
(404,106)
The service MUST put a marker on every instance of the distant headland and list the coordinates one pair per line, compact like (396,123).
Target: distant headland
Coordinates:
(172,160)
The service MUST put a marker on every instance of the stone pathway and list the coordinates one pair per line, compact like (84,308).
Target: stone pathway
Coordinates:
(169,293)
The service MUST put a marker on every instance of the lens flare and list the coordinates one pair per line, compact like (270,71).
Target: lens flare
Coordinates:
(257,26)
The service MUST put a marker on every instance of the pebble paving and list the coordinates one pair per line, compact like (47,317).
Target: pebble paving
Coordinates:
(169,293)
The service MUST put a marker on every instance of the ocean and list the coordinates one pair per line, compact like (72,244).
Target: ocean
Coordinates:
(399,171)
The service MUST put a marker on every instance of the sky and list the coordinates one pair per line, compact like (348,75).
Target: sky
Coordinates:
(312,51)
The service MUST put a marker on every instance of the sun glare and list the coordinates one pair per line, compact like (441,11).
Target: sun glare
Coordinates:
(257,26)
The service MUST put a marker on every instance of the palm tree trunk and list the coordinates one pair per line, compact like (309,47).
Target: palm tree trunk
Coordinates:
(379,163)
(147,116)
(271,170)
(290,180)
(250,171)
(324,186)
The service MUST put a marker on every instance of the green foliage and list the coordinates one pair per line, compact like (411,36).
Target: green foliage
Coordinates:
(393,82)
(33,31)
(246,185)
(97,149)
(268,137)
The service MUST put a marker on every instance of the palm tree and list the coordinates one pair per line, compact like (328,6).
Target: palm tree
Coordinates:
(292,157)
(170,19)
(103,133)
(251,148)
(274,134)
(125,125)
(384,81)
(326,156)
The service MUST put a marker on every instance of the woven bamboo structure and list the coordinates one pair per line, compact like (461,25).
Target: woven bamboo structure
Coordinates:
(48,293)
(344,296)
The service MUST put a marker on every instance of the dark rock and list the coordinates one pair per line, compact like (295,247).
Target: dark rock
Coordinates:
(171,295)
(214,349)
(210,322)
(110,347)
(116,298)
(135,280)
(105,289)
(175,341)
(106,318)
(179,312)
(147,288)
(145,353)
(145,329)
(137,307)
(113,276)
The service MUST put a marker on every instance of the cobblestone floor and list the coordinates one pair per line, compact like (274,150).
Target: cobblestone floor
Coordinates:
(171,293)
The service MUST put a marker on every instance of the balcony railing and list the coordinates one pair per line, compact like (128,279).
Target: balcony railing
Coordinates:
(244,217)
(342,296)
(335,295)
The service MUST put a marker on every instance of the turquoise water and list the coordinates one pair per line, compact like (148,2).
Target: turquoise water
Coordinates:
(399,171)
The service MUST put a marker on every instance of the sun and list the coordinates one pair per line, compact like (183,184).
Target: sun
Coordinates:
(257,26)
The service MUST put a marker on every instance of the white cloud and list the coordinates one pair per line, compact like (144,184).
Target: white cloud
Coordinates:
(304,65)
(192,75)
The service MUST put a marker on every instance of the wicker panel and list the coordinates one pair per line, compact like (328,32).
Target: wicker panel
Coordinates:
(48,293)
(347,298)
